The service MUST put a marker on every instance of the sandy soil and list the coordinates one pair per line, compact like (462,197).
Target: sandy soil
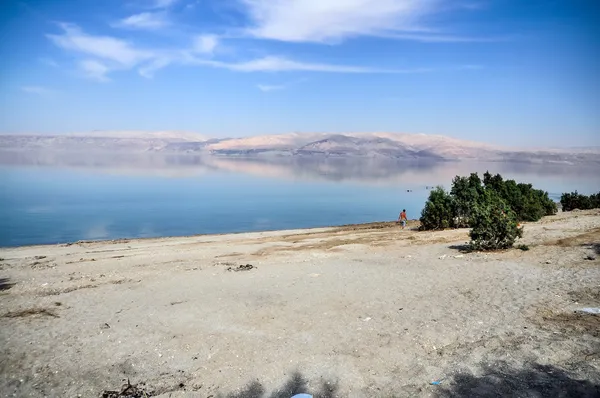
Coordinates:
(358,311)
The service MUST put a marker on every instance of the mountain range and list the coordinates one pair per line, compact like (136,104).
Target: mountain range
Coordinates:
(394,146)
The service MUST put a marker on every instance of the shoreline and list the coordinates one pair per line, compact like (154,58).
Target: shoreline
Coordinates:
(360,311)
(367,225)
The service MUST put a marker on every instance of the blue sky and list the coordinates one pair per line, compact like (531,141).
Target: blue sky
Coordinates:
(501,71)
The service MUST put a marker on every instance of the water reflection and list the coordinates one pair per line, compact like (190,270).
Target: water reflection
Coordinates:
(64,197)
(369,170)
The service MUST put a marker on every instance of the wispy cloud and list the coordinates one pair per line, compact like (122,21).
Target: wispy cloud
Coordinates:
(145,20)
(38,90)
(163,3)
(268,88)
(102,55)
(281,64)
(151,68)
(333,21)
(206,44)
(108,53)
(94,70)
(115,50)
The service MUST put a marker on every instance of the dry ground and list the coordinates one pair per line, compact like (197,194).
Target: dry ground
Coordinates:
(355,311)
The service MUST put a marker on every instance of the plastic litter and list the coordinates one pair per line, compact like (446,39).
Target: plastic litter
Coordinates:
(590,310)
(302,396)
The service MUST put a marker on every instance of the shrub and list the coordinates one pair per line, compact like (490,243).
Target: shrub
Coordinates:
(529,204)
(438,212)
(455,210)
(574,200)
(523,247)
(494,224)
(466,193)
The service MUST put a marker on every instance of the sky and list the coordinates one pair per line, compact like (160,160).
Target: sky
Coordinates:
(508,72)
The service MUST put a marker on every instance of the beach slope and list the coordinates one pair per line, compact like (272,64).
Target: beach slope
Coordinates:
(356,311)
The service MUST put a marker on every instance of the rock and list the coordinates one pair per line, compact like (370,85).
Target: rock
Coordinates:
(548,262)
(590,257)
(246,267)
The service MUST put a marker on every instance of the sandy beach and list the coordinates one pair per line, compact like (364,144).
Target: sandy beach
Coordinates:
(356,311)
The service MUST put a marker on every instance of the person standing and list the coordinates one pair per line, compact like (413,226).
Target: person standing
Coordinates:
(402,218)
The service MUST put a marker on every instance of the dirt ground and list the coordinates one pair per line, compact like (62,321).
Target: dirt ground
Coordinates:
(355,311)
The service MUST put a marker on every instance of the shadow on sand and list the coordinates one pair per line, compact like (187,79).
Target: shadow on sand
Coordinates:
(296,384)
(595,247)
(5,284)
(501,380)
(464,248)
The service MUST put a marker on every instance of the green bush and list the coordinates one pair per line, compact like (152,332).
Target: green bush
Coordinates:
(575,200)
(529,204)
(494,224)
(438,212)
(467,193)
(455,210)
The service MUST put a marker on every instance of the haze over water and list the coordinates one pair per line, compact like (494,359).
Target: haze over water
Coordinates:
(175,196)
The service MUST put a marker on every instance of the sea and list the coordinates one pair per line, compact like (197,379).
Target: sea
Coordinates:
(63,198)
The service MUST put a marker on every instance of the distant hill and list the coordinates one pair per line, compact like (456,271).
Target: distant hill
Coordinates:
(412,147)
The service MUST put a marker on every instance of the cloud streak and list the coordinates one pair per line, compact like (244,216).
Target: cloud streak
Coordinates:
(265,88)
(94,70)
(163,3)
(333,21)
(206,44)
(115,50)
(282,64)
(102,55)
(144,21)
(38,90)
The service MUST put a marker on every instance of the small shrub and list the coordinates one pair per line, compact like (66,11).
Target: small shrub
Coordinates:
(456,209)
(494,225)
(575,200)
(438,212)
(523,247)
(467,193)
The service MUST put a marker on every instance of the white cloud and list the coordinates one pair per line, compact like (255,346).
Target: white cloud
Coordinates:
(145,20)
(164,3)
(440,38)
(267,88)
(94,70)
(148,70)
(101,55)
(334,20)
(206,44)
(331,21)
(39,90)
(280,64)
(105,47)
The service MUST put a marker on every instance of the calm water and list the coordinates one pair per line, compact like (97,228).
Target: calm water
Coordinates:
(55,202)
